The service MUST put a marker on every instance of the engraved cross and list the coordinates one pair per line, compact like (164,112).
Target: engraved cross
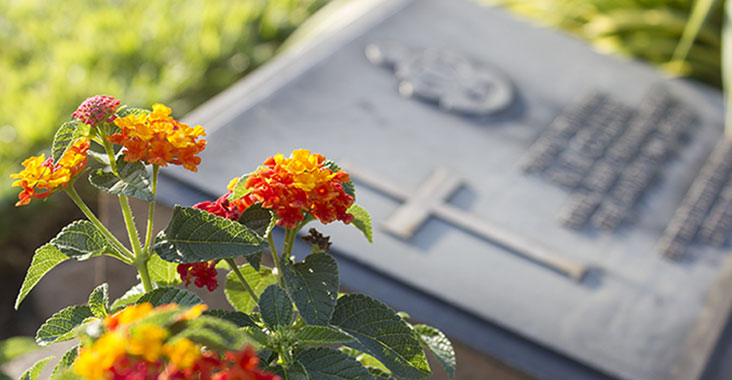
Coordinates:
(429,200)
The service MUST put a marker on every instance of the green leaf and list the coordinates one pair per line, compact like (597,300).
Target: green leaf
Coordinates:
(325,363)
(65,136)
(275,307)
(81,240)
(133,180)
(99,301)
(319,335)
(439,345)
(162,296)
(60,326)
(213,332)
(45,259)
(239,190)
(124,111)
(196,235)
(379,374)
(362,221)
(237,295)
(66,361)
(257,334)
(257,219)
(33,372)
(314,285)
(130,296)
(236,317)
(295,371)
(164,273)
(13,347)
(381,333)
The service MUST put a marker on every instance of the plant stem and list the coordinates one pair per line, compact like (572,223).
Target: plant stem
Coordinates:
(275,258)
(243,280)
(289,241)
(124,254)
(140,256)
(110,153)
(151,211)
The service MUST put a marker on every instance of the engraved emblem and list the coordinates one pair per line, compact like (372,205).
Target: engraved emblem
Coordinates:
(429,200)
(450,80)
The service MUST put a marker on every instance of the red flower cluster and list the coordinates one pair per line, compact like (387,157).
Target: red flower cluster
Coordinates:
(221,207)
(202,274)
(298,185)
(134,369)
(96,110)
(240,365)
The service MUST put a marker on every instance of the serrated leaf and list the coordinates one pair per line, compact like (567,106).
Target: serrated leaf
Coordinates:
(239,190)
(237,295)
(126,111)
(319,335)
(257,334)
(213,332)
(33,372)
(66,361)
(65,136)
(257,219)
(162,272)
(362,221)
(439,345)
(45,259)
(60,326)
(133,180)
(13,347)
(295,371)
(131,296)
(381,333)
(194,235)
(99,301)
(325,363)
(236,317)
(379,374)
(275,307)
(162,296)
(314,285)
(81,240)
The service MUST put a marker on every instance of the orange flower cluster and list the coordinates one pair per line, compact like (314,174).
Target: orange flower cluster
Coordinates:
(42,174)
(132,348)
(157,138)
(298,185)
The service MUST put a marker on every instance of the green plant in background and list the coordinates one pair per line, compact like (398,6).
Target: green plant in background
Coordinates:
(647,29)
(12,348)
(182,53)
(293,312)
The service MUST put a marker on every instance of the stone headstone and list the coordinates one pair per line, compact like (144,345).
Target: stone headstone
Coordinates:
(564,211)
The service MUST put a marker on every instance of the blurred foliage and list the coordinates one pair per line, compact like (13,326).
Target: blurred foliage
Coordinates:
(647,29)
(55,54)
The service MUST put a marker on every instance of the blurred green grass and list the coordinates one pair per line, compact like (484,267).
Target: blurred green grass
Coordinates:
(645,29)
(54,54)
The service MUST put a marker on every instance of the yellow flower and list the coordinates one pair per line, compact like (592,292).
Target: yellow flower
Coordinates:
(129,315)
(94,361)
(183,353)
(147,341)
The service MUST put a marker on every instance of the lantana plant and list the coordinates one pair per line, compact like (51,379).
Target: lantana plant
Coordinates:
(288,321)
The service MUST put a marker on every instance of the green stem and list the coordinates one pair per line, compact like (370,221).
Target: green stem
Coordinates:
(243,280)
(140,256)
(275,258)
(110,153)
(151,211)
(124,254)
(289,241)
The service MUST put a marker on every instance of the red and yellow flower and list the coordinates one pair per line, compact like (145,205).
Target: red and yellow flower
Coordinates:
(157,138)
(298,185)
(41,177)
(132,348)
